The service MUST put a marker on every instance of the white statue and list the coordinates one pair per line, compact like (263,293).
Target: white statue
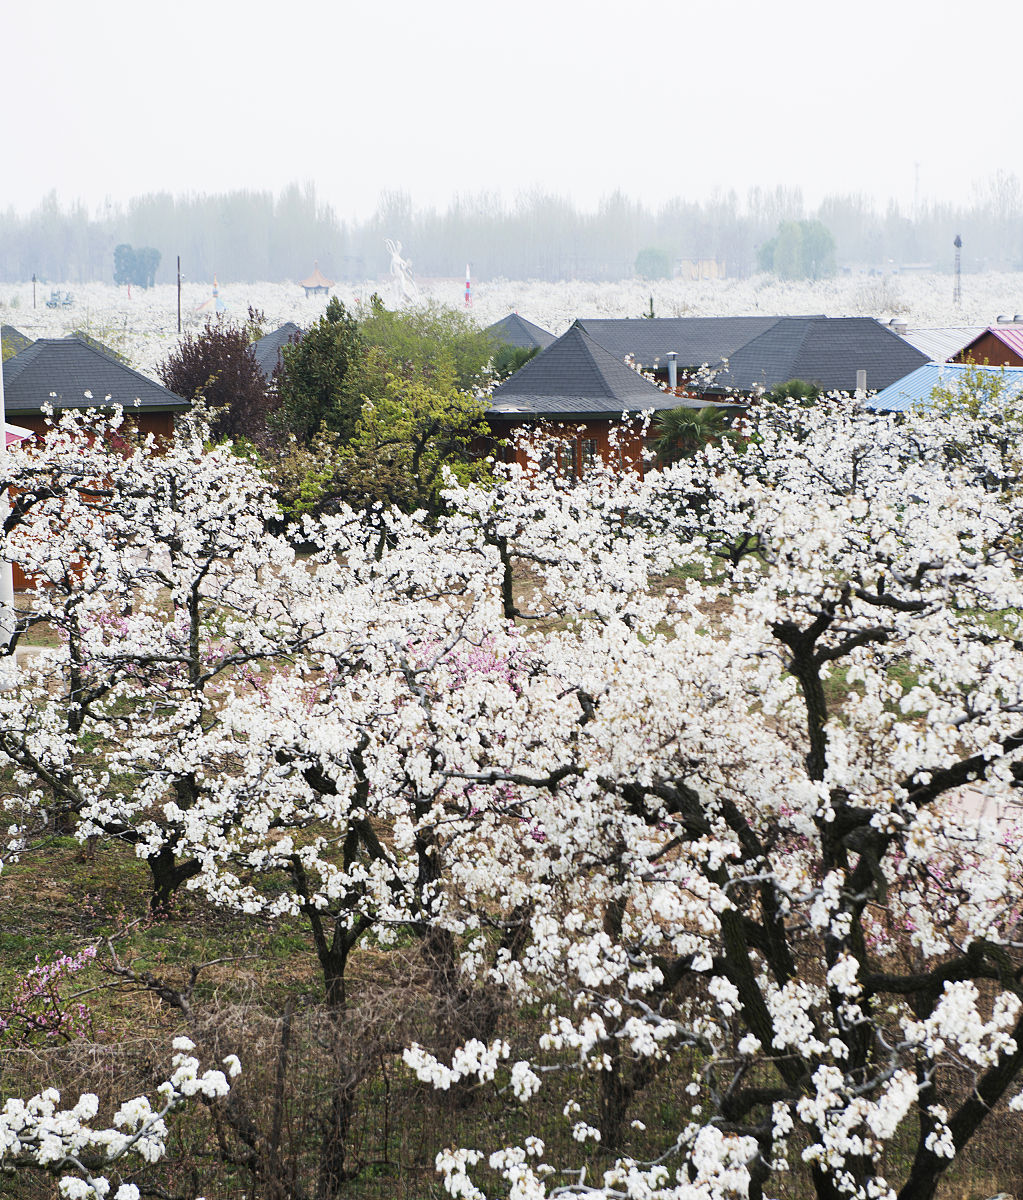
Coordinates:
(401,270)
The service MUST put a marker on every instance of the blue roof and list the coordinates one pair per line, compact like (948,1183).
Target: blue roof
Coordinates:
(917,387)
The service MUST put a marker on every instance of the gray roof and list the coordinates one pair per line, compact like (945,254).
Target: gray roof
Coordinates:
(267,350)
(826,351)
(765,351)
(14,338)
(59,371)
(696,340)
(575,377)
(514,330)
(918,387)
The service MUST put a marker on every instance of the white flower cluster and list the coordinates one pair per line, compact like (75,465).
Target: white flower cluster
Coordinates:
(38,1134)
(473,1059)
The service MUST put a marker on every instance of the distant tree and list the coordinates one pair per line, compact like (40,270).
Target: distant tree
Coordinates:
(135,266)
(217,365)
(653,263)
(147,260)
(799,250)
(124,264)
(319,381)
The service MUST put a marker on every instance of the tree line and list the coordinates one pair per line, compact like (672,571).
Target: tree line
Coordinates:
(255,235)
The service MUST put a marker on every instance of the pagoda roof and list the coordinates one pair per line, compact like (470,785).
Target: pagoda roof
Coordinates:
(316,279)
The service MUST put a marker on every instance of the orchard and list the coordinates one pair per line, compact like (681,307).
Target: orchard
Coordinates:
(685,767)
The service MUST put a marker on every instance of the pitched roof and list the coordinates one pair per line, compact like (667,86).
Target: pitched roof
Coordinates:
(826,351)
(316,279)
(14,338)
(917,387)
(60,371)
(1011,336)
(696,340)
(514,330)
(942,342)
(267,350)
(575,377)
(765,351)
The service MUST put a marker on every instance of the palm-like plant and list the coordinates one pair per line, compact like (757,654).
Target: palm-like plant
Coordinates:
(681,432)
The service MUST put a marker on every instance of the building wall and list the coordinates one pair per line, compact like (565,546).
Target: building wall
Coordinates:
(160,424)
(583,442)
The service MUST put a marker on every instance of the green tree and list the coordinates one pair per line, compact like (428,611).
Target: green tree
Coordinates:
(798,390)
(405,439)
(508,359)
(320,380)
(430,342)
(681,432)
(653,263)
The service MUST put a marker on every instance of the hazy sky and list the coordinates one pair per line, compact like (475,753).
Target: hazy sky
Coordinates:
(107,99)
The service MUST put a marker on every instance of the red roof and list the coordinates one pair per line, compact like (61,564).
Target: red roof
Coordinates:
(16,434)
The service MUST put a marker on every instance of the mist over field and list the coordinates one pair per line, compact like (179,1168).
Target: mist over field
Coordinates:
(144,326)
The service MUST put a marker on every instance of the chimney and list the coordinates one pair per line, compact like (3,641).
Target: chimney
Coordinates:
(672,369)
(861,381)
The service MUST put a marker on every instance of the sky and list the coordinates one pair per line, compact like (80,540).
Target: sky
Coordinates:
(910,100)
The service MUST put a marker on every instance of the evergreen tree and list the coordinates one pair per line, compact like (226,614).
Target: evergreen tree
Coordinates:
(319,379)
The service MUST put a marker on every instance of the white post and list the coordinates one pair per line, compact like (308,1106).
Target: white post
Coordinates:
(6,571)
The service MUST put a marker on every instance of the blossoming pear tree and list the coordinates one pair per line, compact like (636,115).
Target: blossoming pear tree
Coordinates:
(754,860)
(691,760)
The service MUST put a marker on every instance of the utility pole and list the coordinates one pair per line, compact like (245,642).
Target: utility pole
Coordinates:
(179,293)
(957,285)
(33,289)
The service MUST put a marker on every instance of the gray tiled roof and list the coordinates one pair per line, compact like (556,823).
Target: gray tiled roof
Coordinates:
(765,351)
(267,350)
(575,377)
(14,339)
(514,330)
(826,351)
(696,340)
(59,371)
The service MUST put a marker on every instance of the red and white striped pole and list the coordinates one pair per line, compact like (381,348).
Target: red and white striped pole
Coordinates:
(468,288)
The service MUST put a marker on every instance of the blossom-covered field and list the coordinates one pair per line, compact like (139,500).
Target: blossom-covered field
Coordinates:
(144,326)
